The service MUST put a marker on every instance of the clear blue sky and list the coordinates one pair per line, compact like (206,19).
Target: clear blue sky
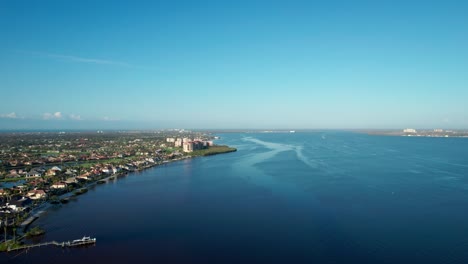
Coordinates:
(233,64)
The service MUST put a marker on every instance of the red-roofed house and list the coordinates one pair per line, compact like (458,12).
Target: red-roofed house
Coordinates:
(36,194)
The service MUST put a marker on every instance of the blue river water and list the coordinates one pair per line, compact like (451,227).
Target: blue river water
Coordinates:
(319,197)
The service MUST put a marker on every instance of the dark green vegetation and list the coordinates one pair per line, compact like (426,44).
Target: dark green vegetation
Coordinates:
(35,231)
(4,246)
(15,179)
(81,191)
(54,199)
(213,150)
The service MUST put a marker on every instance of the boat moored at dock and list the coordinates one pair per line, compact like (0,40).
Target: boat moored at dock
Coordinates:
(82,241)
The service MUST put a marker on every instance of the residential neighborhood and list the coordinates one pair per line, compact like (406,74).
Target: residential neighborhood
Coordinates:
(38,168)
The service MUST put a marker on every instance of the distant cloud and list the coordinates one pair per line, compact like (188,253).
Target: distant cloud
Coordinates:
(11,115)
(75,117)
(56,115)
(79,59)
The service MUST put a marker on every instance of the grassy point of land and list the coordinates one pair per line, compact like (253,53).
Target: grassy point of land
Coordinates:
(4,246)
(213,150)
(35,231)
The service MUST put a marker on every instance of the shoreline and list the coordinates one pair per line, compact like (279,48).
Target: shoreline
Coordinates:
(40,210)
(418,133)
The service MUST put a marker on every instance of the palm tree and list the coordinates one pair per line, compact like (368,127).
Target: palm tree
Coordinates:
(5,227)
(8,195)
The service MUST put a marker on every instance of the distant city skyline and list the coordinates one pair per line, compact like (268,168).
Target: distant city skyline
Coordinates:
(227,65)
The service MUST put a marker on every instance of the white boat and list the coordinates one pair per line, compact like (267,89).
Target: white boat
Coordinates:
(85,239)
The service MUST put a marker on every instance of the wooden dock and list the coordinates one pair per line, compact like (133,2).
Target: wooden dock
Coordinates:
(31,219)
(55,243)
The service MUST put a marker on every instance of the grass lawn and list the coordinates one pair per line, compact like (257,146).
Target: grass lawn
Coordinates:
(12,179)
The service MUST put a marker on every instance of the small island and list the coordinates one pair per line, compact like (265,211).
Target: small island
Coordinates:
(35,231)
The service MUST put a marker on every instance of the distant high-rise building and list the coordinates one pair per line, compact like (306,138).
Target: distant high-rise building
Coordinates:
(188,146)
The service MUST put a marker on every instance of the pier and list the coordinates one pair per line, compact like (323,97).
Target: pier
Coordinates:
(75,243)
(31,219)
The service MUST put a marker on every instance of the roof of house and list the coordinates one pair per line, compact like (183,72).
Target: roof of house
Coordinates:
(34,192)
(23,201)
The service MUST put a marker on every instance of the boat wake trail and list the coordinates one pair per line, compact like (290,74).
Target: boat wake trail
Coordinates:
(276,148)
(304,159)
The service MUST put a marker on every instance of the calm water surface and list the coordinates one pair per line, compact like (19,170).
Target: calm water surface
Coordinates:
(324,197)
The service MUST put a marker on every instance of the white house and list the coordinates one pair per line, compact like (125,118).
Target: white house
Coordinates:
(16,205)
(59,185)
(33,173)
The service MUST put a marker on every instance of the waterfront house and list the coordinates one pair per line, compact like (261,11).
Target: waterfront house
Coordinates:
(71,180)
(150,160)
(36,194)
(18,205)
(116,169)
(85,176)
